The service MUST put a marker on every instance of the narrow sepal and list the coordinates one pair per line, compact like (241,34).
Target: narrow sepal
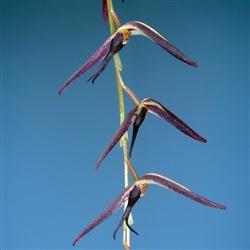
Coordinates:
(118,135)
(94,59)
(115,46)
(105,11)
(109,48)
(113,207)
(178,188)
(139,28)
(159,110)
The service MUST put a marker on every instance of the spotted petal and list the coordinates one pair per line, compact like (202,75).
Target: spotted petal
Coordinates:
(139,28)
(159,110)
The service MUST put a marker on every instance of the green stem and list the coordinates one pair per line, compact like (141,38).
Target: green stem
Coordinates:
(123,142)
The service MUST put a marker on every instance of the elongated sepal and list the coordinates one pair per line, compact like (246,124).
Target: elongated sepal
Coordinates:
(109,48)
(139,28)
(159,110)
(105,11)
(94,59)
(136,115)
(134,196)
(178,188)
(116,45)
(139,188)
(118,135)
(113,207)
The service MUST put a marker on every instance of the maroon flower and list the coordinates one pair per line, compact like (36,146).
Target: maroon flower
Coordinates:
(137,115)
(116,42)
(133,192)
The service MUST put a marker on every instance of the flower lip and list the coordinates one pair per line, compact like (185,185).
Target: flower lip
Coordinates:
(134,196)
(138,121)
(116,45)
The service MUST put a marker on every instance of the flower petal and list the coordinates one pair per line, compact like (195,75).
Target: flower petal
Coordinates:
(94,59)
(116,45)
(176,187)
(134,196)
(159,110)
(110,47)
(113,207)
(139,28)
(130,119)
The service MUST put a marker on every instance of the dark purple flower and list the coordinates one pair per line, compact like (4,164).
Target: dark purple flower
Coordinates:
(116,42)
(135,191)
(136,117)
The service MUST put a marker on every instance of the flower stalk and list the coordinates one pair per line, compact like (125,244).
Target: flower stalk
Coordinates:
(123,142)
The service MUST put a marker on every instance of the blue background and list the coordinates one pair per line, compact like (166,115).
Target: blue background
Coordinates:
(51,143)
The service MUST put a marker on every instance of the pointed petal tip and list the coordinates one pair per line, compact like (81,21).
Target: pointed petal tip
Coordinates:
(204,140)
(60,91)
(201,139)
(193,63)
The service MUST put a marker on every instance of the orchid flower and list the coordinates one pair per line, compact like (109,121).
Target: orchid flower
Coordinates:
(133,193)
(116,42)
(137,115)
